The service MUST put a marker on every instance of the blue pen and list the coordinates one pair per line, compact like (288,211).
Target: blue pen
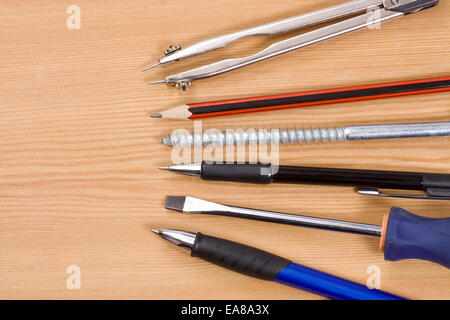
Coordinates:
(263,265)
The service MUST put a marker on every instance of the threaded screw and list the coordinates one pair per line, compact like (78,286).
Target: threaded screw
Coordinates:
(252,136)
(276,136)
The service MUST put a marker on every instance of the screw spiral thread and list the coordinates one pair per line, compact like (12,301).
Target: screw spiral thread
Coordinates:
(252,136)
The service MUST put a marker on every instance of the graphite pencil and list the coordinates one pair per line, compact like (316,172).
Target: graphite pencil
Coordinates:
(206,110)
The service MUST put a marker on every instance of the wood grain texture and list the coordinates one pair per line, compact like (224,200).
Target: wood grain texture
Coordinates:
(78,153)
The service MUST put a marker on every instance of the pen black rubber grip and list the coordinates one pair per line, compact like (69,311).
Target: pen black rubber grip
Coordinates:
(253,173)
(409,236)
(238,257)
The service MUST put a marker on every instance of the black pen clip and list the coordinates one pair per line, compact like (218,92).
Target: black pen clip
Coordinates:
(431,194)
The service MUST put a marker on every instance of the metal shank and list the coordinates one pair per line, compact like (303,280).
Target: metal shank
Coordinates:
(398,131)
(195,205)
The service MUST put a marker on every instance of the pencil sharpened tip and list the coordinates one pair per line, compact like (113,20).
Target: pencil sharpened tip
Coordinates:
(151,67)
(156,116)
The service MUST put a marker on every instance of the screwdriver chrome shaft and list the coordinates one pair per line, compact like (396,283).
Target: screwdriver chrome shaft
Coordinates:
(200,206)
(276,136)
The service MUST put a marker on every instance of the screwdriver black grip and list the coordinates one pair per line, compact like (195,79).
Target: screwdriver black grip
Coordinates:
(238,257)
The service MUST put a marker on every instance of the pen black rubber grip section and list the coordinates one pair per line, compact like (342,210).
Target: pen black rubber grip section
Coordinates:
(238,257)
(252,173)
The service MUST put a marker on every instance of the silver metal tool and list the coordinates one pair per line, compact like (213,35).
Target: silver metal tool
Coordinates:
(276,136)
(199,206)
(182,239)
(375,192)
(373,12)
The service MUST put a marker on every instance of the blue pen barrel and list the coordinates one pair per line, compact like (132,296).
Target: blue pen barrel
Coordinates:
(267,266)
(329,286)
(413,237)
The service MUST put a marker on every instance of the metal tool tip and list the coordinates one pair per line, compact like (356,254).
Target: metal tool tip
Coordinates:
(151,67)
(175,203)
(156,82)
(161,140)
(156,231)
(164,168)
(156,115)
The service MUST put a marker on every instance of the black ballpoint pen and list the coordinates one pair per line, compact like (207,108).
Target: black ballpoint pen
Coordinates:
(435,186)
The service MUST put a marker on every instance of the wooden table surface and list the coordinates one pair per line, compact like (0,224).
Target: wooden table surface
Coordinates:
(79,156)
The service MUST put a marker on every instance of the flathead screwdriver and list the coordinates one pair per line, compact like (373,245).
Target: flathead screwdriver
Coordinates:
(403,234)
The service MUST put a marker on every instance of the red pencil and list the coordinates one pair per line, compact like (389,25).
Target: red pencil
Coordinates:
(305,99)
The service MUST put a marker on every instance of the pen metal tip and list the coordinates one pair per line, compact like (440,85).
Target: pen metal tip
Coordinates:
(156,115)
(151,67)
(164,168)
(156,82)
(156,231)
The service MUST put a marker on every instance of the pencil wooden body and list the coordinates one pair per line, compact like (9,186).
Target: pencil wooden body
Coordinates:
(306,99)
